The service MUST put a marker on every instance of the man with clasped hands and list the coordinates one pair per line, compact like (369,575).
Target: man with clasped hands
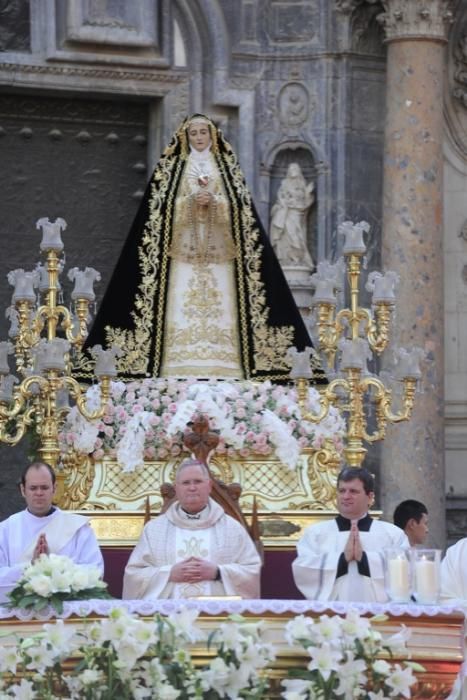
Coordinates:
(42,528)
(193,549)
(343,559)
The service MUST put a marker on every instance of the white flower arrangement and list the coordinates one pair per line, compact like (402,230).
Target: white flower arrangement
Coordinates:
(345,660)
(147,420)
(52,579)
(125,657)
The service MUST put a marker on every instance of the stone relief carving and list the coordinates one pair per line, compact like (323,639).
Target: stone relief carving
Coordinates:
(293,104)
(113,22)
(463,231)
(367,33)
(427,20)
(460,70)
(348,6)
(289,218)
(14,25)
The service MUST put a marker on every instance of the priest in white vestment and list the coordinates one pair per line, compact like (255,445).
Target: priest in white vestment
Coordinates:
(42,528)
(193,549)
(343,559)
(454,573)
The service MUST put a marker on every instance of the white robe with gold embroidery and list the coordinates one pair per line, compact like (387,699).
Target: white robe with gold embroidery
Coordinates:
(201,335)
(67,534)
(172,537)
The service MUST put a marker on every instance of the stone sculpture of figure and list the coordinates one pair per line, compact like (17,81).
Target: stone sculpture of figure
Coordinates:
(197,290)
(288,218)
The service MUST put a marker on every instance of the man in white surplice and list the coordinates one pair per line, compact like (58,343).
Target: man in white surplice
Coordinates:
(194,548)
(343,559)
(42,529)
(454,573)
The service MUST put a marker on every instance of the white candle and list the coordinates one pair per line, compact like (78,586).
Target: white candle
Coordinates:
(426,581)
(398,573)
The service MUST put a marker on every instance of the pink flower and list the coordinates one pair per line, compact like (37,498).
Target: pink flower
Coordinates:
(150,452)
(244,452)
(98,454)
(108,431)
(240,413)
(162,453)
(172,407)
(175,450)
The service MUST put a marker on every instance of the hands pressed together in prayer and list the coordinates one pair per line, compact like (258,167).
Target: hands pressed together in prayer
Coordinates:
(193,570)
(203,198)
(353,549)
(41,547)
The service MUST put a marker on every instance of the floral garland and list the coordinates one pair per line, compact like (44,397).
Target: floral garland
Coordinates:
(147,420)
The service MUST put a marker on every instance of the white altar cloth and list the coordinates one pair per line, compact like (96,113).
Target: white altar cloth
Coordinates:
(228,606)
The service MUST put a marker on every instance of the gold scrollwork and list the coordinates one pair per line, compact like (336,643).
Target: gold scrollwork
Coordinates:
(78,477)
(323,467)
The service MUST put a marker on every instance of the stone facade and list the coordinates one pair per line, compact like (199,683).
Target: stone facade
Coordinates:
(90,92)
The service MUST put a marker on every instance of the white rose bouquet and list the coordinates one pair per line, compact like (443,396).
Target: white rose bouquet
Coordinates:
(54,578)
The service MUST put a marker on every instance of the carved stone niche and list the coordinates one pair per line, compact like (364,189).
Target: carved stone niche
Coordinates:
(297,271)
(130,24)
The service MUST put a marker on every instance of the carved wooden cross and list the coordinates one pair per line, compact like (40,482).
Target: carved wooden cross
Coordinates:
(201,441)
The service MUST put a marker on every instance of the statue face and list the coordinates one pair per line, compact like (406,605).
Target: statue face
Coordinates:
(192,488)
(199,136)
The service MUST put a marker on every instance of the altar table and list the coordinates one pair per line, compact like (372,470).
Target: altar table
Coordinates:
(436,642)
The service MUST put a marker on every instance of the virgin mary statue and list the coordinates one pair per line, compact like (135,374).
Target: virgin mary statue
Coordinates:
(197,290)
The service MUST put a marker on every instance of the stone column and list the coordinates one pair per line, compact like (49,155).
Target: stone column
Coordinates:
(413,453)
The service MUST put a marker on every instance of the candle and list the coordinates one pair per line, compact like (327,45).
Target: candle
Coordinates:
(355,353)
(106,360)
(84,282)
(51,239)
(326,281)
(301,363)
(24,284)
(426,581)
(6,348)
(382,286)
(50,354)
(353,233)
(398,579)
(408,363)
(6,387)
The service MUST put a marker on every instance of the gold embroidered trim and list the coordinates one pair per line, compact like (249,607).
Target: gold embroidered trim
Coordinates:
(270,344)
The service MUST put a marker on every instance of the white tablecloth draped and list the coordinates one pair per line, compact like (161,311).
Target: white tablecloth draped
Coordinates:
(228,606)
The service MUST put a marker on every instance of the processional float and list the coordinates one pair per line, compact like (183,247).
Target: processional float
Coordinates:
(354,408)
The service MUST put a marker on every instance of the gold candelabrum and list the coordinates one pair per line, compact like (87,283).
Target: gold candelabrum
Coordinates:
(347,339)
(43,334)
